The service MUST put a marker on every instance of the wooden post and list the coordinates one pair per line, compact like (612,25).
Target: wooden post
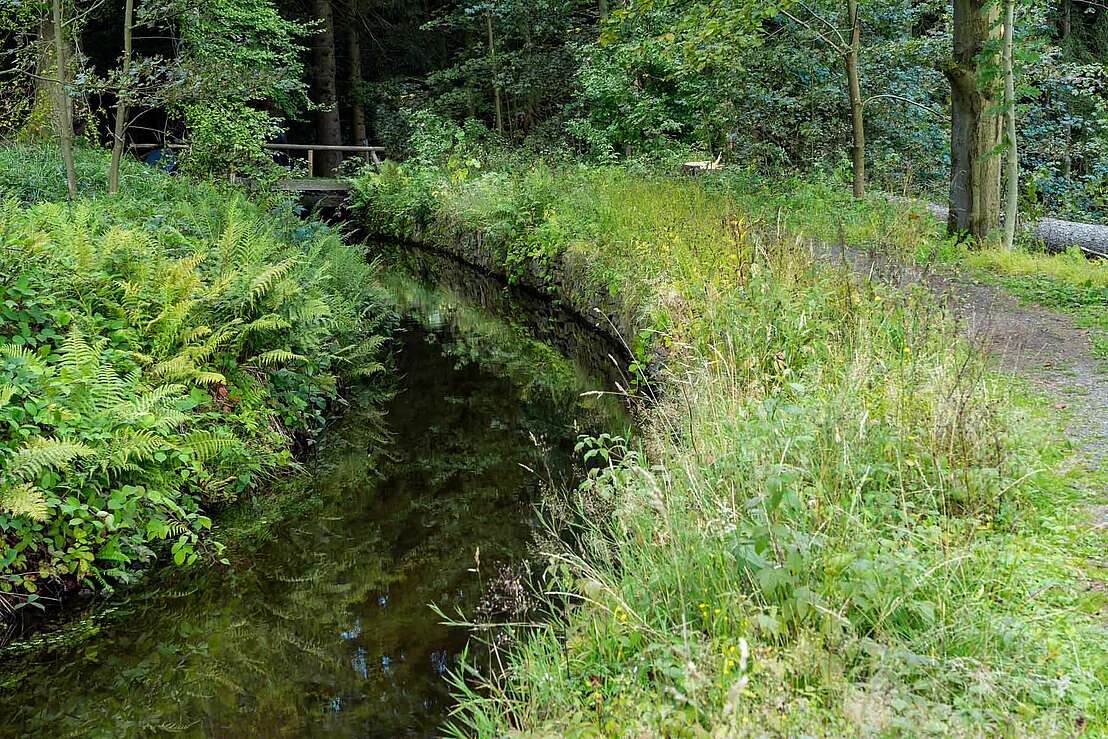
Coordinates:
(311,162)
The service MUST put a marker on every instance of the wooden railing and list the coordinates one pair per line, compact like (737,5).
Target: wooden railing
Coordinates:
(311,149)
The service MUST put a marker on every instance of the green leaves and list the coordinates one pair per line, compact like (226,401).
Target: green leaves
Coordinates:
(146,373)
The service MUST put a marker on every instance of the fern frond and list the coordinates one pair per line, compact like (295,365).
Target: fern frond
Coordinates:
(7,392)
(268,322)
(78,355)
(208,378)
(179,367)
(46,452)
(129,449)
(195,334)
(205,445)
(265,281)
(157,399)
(23,354)
(277,357)
(24,499)
(310,311)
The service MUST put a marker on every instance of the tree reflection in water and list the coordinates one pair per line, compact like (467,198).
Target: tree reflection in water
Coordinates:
(325,628)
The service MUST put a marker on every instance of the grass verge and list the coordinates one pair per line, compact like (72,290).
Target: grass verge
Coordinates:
(837,521)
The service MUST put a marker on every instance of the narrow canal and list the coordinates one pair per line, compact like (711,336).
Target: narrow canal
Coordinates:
(322,625)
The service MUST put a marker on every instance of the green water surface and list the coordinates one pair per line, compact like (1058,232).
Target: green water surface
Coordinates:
(325,629)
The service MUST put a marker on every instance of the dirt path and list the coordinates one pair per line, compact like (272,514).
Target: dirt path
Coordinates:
(1038,343)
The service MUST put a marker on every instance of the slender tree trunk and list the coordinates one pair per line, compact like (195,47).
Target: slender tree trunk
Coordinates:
(495,76)
(1067,29)
(357,110)
(975,131)
(854,89)
(328,126)
(1013,175)
(121,104)
(603,7)
(63,112)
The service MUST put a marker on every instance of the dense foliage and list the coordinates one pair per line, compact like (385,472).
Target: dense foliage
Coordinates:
(161,354)
(838,519)
(755,83)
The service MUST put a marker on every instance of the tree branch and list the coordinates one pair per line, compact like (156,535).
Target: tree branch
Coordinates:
(903,99)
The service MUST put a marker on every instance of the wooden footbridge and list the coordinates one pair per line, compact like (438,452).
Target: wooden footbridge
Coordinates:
(326,190)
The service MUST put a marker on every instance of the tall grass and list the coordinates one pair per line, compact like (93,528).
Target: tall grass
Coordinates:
(838,520)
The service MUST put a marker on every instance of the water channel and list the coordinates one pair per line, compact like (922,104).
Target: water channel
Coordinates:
(323,626)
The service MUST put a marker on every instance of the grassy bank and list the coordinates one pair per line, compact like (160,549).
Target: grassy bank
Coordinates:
(162,353)
(838,520)
(825,210)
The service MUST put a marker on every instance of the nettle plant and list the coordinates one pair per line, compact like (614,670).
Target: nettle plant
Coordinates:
(149,372)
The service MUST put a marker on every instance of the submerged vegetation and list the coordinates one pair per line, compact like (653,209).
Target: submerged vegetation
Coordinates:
(161,353)
(838,518)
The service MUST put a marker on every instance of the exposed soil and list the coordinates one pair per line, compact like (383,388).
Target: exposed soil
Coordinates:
(1041,344)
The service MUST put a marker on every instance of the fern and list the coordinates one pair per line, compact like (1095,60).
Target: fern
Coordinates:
(78,356)
(310,311)
(265,281)
(157,399)
(206,445)
(24,499)
(129,448)
(268,322)
(7,392)
(25,356)
(46,452)
(276,358)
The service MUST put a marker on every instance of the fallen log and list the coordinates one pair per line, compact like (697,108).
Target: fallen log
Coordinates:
(694,169)
(1056,234)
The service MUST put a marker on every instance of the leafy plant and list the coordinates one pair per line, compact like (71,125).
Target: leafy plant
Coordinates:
(159,358)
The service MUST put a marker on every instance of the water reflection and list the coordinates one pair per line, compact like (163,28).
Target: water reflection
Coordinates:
(325,628)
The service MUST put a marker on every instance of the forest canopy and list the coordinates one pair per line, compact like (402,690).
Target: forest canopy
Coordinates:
(789,86)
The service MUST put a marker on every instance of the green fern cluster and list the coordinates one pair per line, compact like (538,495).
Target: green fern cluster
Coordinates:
(155,360)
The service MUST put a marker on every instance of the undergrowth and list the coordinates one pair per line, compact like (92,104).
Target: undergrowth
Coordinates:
(162,353)
(837,520)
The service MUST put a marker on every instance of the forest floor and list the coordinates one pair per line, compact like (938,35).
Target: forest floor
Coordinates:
(1042,345)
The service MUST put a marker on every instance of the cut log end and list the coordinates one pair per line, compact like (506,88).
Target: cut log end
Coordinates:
(693,169)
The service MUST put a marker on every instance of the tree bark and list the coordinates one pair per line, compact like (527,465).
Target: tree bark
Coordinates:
(120,131)
(854,91)
(1013,175)
(975,131)
(1067,30)
(357,110)
(328,126)
(63,104)
(495,76)
(603,7)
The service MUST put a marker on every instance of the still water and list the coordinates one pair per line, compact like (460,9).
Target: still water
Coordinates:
(322,626)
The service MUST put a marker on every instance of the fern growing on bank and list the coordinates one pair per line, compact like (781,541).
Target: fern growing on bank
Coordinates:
(159,357)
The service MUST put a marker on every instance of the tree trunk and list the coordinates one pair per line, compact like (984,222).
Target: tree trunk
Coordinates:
(854,90)
(1013,176)
(975,130)
(1067,30)
(328,127)
(357,109)
(603,10)
(495,76)
(120,131)
(63,104)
